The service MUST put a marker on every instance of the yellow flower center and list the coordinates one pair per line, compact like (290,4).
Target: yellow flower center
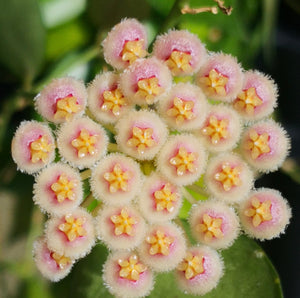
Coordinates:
(40,149)
(260,212)
(179,62)
(164,198)
(229,176)
(141,139)
(211,227)
(258,143)
(216,129)
(184,161)
(60,260)
(73,227)
(131,268)
(191,265)
(123,223)
(85,143)
(66,108)
(214,83)
(148,89)
(114,100)
(181,110)
(118,179)
(63,188)
(133,50)
(248,100)
(160,243)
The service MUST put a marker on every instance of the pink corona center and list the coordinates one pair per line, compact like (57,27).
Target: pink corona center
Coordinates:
(159,243)
(133,50)
(85,143)
(216,129)
(142,138)
(210,227)
(72,227)
(258,143)
(40,149)
(214,83)
(64,188)
(165,198)
(66,108)
(113,101)
(61,261)
(229,176)
(149,89)
(247,101)
(184,161)
(179,62)
(118,179)
(131,268)
(181,110)
(260,212)
(123,223)
(191,265)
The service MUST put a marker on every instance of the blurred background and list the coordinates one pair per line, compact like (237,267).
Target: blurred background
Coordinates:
(44,39)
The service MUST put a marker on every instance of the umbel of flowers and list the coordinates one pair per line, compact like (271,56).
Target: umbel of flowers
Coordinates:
(165,135)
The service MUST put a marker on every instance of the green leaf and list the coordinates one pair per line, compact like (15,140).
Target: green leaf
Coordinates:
(163,7)
(22,38)
(248,274)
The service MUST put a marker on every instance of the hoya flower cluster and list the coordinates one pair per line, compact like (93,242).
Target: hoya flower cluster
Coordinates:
(166,133)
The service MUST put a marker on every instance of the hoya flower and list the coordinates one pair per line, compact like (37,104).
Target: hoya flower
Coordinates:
(71,235)
(126,276)
(200,270)
(141,134)
(125,43)
(160,199)
(106,101)
(265,214)
(62,100)
(181,51)
(258,96)
(116,179)
(228,178)
(221,129)
(145,81)
(82,142)
(32,146)
(184,107)
(58,189)
(52,265)
(220,77)
(265,145)
(120,227)
(163,247)
(214,223)
(182,159)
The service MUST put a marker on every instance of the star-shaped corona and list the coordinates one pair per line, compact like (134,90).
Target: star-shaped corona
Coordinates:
(64,188)
(73,227)
(216,129)
(113,101)
(159,243)
(211,227)
(179,62)
(40,149)
(123,223)
(214,83)
(85,143)
(66,108)
(131,268)
(165,199)
(133,50)
(191,265)
(61,260)
(247,101)
(229,176)
(258,144)
(141,139)
(181,110)
(259,211)
(149,88)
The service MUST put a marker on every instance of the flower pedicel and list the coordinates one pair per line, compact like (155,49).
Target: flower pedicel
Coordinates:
(167,137)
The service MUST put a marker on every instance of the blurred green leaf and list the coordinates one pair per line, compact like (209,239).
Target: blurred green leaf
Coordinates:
(22,36)
(163,7)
